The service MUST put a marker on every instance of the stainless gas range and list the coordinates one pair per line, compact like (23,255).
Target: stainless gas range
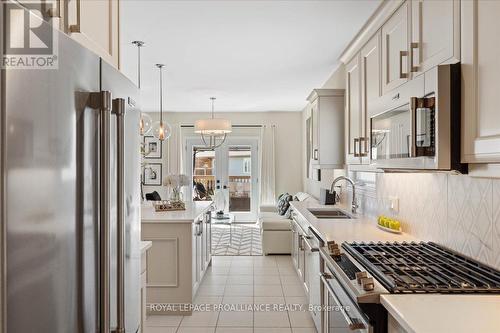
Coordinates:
(354,279)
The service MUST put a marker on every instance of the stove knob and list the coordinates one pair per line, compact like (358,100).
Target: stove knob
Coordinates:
(333,247)
(368,284)
(335,253)
(360,276)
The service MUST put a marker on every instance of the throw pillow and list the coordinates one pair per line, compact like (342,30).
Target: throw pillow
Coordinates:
(284,204)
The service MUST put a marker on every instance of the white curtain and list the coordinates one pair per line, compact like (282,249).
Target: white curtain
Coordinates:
(267,166)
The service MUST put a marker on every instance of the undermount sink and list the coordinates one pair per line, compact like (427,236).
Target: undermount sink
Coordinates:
(329,214)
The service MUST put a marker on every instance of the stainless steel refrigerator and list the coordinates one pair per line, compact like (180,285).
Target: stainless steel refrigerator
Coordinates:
(71,165)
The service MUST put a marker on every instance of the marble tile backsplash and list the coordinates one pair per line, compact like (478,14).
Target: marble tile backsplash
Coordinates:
(457,211)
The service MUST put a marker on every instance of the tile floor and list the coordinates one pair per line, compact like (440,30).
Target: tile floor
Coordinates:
(243,280)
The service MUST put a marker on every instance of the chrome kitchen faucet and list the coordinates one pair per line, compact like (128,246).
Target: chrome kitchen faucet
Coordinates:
(354,205)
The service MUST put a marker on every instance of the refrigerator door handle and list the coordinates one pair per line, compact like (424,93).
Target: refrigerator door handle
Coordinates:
(119,111)
(101,101)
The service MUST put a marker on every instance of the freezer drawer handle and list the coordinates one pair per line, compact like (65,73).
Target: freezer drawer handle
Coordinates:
(119,111)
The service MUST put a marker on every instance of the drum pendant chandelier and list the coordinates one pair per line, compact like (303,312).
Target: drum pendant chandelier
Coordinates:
(213,131)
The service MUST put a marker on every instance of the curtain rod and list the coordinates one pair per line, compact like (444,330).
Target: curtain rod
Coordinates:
(237,126)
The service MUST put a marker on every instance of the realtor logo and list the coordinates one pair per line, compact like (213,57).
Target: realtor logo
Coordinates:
(30,42)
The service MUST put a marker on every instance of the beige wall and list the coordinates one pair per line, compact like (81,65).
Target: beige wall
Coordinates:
(336,81)
(288,143)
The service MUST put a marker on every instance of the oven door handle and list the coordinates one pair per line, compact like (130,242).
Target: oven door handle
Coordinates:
(354,323)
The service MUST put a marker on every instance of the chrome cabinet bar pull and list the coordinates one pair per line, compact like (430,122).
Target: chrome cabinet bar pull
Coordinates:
(356,143)
(102,101)
(363,152)
(311,248)
(413,108)
(76,28)
(55,12)
(402,54)
(119,111)
(413,46)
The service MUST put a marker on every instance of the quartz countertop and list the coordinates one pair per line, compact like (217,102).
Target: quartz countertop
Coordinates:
(358,228)
(438,313)
(416,313)
(193,210)
(145,245)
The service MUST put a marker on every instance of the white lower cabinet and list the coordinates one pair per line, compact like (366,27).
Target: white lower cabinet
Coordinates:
(306,259)
(177,260)
(143,292)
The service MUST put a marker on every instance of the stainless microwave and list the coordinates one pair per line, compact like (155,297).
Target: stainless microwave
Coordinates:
(421,133)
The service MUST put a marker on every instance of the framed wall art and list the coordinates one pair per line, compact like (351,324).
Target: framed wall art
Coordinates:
(152,174)
(152,147)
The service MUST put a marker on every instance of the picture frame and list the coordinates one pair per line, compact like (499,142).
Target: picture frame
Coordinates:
(152,174)
(153,147)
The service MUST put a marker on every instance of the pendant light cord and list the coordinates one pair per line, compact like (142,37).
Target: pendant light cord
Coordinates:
(160,66)
(139,44)
(213,101)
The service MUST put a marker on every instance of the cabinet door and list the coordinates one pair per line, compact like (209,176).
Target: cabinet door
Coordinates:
(315,132)
(480,77)
(435,34)
(395,50)
(95,25)
(353,110)
(48,10)
(370,91)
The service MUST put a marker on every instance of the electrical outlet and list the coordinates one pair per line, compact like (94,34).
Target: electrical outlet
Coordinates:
(394,204)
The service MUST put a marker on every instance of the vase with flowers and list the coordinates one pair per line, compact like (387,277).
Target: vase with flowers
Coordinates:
(175,183)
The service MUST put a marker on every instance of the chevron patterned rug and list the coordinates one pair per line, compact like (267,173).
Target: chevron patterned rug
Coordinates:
(246,240)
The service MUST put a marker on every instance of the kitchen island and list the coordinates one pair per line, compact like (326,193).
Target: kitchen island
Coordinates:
(179,256)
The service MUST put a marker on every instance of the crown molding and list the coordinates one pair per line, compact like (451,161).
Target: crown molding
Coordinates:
(376,20)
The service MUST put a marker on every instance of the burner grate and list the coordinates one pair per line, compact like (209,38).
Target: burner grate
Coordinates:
(423,267)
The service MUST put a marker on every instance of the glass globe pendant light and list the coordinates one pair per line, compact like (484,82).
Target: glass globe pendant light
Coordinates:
(145,124)
(213,131)
(161,129)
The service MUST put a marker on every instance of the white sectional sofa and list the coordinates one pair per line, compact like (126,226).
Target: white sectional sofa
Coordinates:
(275,228)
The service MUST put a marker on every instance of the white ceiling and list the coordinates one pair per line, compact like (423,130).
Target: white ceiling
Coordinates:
(251,55)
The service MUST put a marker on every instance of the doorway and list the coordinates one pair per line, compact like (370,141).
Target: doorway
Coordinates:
(231,168)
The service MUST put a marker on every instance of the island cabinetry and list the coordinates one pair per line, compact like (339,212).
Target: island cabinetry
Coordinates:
(178,258)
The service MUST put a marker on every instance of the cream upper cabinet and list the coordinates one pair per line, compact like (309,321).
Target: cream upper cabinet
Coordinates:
(395,49)
(314,141)
(435,34)
(480,81)
(327,113)
(370,90)
(353,115)
(95,25)
(371,73)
